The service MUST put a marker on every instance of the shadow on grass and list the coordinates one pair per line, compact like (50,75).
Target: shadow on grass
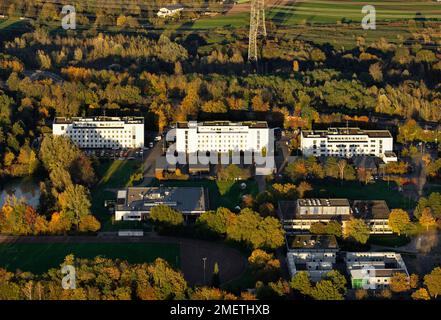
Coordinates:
(113,175)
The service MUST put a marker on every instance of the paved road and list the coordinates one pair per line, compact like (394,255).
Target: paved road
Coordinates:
(232,264)
(421,255)
(150,157)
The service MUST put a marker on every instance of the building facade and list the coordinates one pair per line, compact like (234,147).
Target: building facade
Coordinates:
(315,254)
(348,143)
(135,203)
(222,136)
(102,132)
(373,270)
(298,216)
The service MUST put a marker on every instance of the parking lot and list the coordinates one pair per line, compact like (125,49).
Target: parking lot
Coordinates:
(120,154)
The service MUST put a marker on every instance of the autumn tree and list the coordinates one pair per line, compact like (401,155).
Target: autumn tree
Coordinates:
(166,216)
(426,219)
(357,230)
(301,283)
(433,282)
(398,220)
(75,203)
(399,282)
(302,188)
(216,221)
(421,294)
(264,266)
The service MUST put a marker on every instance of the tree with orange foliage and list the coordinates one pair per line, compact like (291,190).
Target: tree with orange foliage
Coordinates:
(89,223)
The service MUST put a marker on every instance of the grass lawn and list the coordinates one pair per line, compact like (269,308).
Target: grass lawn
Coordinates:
(39,257)
(392,240)
(113,175)
(8,23)
(238,20)
(222,194)
(357,191)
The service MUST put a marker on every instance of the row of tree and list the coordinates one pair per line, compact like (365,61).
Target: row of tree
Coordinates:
(105,279)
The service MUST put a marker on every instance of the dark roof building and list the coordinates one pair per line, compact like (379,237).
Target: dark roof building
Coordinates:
(310,242)
(135,203)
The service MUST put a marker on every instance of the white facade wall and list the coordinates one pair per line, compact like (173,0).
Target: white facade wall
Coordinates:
(344,145)
(199,137)
(318,264)
(368,269)
(110,133)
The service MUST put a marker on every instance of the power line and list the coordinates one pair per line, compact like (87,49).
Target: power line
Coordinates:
(257,27)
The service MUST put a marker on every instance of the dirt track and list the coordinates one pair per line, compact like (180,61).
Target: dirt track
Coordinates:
(232,264)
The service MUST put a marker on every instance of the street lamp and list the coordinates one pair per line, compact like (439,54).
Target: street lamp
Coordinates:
(204,259)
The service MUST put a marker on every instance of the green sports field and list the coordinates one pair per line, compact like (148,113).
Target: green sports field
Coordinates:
(39,257)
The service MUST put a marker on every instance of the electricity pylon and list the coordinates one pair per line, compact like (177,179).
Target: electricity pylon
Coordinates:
(257,27)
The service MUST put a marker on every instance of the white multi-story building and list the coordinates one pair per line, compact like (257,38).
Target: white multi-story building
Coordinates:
(347,143)
(373,270)
(102,132)
(223,136)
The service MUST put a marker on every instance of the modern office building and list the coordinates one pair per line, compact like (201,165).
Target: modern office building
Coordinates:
(348,143)
(102,132)
(135,203)
(375,213)
(222,136)
(298,216)
(225,142)
(315,254)
(373,270)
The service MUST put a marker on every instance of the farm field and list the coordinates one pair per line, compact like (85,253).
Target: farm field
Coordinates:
(39,257)
(327,21)
(327,12)
(324,11)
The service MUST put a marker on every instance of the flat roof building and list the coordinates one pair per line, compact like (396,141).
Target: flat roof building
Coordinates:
(221,136)
(225,138)
(375,213)
(135,203)
(373,270)
(347,143)
(298,216)
(315,254)
(102,132)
